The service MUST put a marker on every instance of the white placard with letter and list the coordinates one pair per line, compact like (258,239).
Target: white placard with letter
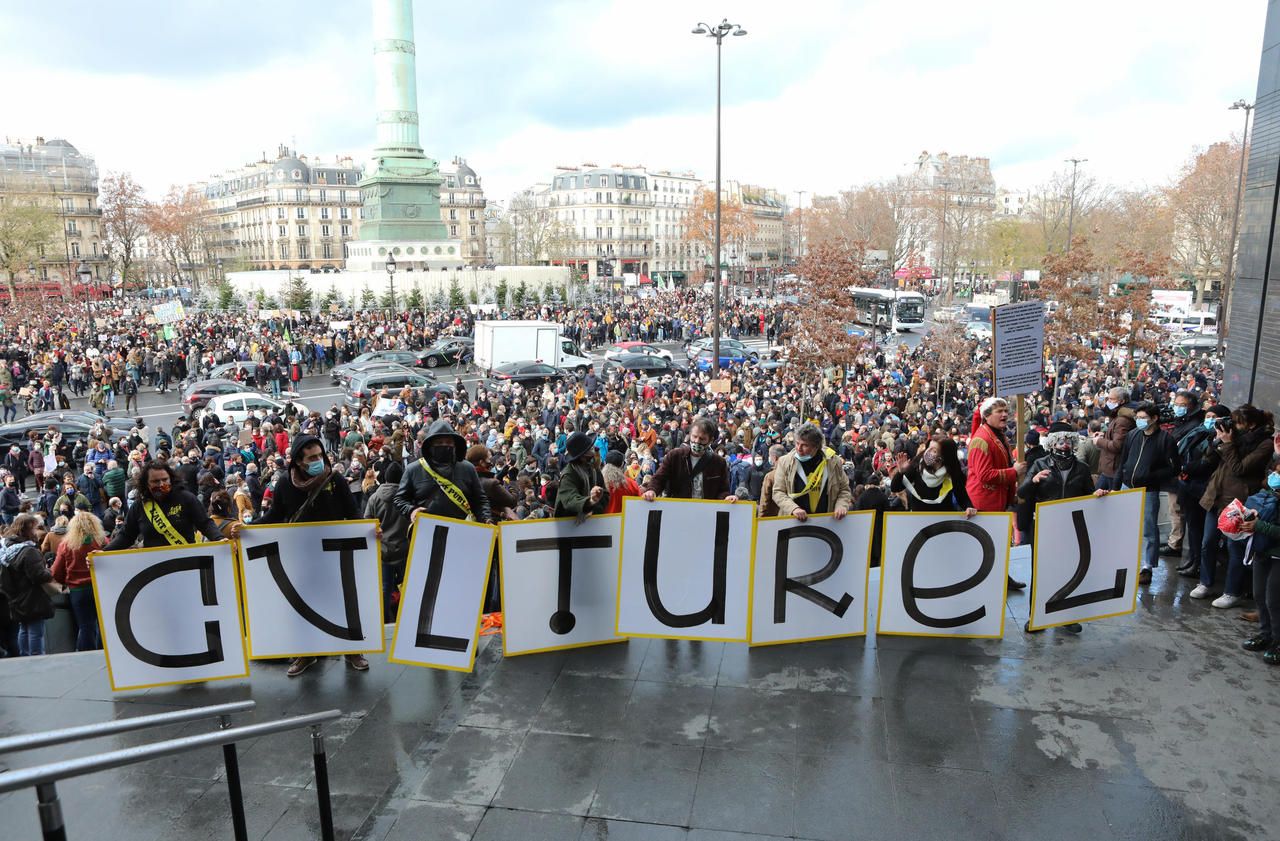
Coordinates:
(312,589)
(169,615)
(943,575)
(559,583)
(1088,551)
(443,593)
(685,569)
(810,578)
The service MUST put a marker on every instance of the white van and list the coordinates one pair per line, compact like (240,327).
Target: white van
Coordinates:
(1198,321)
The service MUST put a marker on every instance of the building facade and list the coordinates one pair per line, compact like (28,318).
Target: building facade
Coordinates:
(764,250)
(55,174)
(600,220)
(675,258)
(289,213)
(462,209)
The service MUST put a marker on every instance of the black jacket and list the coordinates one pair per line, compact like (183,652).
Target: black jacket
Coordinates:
(182,510)
(1149,461)
(333,502)
(1079,482)
(418,490)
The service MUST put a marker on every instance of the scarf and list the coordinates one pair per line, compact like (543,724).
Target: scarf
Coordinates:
(941,481)
(307,484)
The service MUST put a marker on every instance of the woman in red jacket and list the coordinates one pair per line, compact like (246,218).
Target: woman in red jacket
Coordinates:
(71,568)
(993,474)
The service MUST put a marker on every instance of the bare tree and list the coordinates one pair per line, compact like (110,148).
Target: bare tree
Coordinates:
(1051,203)
(177,227)
(736,223)
(878,214)
(1203,200)
(538,236)
(27,226)
(124,210)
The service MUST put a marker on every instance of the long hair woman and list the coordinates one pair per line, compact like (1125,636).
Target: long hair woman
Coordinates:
(85,534)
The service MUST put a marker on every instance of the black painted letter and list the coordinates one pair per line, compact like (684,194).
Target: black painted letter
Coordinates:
(202,564)
(910,593)
(563,620)
(346,547)
(426,614)
(803,585)
(1061,600)
(714,611)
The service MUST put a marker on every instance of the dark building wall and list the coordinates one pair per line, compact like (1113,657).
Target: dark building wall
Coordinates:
(1253,345)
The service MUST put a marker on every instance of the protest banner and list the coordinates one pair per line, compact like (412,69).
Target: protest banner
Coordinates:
(312,589)
(944,575)
(685,569)
(169,615)
(559,583)
(1087,558)
(1017,348)
(810,579)
(168,312)
(443,593)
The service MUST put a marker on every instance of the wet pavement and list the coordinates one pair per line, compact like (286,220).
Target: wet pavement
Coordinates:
(1151,726)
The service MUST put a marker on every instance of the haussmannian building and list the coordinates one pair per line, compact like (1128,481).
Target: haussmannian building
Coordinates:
(462,209)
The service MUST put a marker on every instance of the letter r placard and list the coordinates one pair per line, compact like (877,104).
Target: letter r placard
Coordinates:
(169,615)
(943,575)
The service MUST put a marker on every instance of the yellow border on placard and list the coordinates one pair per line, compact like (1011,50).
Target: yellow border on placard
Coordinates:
(884,547)
(97,606)
(866,585)
(1034,578)
(750,573)
(382,637)
(488,568)
(502,587)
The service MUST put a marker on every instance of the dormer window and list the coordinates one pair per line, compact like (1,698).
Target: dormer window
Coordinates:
(297,175)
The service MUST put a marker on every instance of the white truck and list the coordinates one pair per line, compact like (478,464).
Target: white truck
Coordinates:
(500,342)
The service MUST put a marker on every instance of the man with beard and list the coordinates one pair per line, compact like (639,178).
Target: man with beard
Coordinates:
(993,474)
(693,471)
(312,492)
(168,515)
(442,482)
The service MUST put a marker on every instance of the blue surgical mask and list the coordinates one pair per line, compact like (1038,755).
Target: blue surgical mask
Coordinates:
(804,459)
(1273,481)
(1179,411)
(1141,423)
(315,468)
(1209,422)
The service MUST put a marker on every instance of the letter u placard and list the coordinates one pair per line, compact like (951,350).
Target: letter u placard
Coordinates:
(685,571)
(312,589)
(169,615)
(943,575)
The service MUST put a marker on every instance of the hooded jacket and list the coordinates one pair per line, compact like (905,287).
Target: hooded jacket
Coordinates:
(22,574)
(1112,441)
(419,490)
(333,502)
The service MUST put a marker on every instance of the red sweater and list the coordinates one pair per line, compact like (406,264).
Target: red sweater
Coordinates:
(70,566)
(992,482)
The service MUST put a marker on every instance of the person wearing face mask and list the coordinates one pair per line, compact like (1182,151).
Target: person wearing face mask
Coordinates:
(754,477)
(1266,564)
(934,480)
(442,482)
(1193,481)
(1111,440)
(1148,460)
(811,479)
(692,470)
(1057,475)
(168,515)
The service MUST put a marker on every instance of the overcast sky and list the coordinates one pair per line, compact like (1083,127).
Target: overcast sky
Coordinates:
(818,96)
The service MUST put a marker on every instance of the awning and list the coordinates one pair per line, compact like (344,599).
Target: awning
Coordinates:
(644,280)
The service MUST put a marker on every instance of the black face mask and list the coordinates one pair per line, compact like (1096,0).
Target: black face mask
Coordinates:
(1063,460)
(442,456)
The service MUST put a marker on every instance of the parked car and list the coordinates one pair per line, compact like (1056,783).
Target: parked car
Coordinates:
(529,373)
(731,348)
(73,424)
(253,371)
(1196,345)
(447,351)
(238,407)
(339,373)
(641,364)
(977,330)
(729,355)
(365,384)
(196,394)
(622,348)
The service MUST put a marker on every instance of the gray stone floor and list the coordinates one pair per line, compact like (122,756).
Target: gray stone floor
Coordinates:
(1153,726)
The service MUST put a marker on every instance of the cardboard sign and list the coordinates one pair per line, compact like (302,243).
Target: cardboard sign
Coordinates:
(443,594)
(559,583)
(169,615)
(943,575)
(809,581)
(1017,347)
(1087,558)
(312,589)
(685,570)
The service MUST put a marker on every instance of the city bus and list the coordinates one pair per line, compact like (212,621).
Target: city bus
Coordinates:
(873,306)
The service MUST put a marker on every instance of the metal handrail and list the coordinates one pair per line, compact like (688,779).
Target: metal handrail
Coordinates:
(30,741)
(64,769)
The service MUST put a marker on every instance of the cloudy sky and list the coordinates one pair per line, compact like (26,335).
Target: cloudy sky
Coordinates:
(818,96)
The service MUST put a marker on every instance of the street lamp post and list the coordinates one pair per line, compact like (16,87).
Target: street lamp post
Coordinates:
(1228,278)
(391,280)
(1071,212)
(85,274)
(717,32)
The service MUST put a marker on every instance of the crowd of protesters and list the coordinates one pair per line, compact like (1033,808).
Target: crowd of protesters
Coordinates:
(889,432)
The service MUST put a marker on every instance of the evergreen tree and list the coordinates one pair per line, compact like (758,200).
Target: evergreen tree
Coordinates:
(500,293)
(368,299)
(473,296)
(296,293)
(413,300)
(456,299)
(521,294)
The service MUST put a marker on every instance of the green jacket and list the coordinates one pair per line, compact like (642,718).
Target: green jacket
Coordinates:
(113,482)
(573,497)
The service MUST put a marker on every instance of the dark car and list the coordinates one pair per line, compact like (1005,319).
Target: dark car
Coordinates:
(642,364)
(345,371)
(247,371)
(196,394)
(730,349)
(529,373)
(365,384)
(74,426)
(447,351)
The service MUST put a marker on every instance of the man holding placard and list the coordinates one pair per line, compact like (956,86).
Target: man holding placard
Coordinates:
(692,471)
(311,492)
(167,515)
(811,479)
(993,474)
(442,482)
(581,492)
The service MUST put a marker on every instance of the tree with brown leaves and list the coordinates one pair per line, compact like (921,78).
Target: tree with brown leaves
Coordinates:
(817,336)
(736,223)
(124,210)
(177,227)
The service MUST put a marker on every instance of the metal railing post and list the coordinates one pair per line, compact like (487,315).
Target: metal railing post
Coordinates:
(51,826)
(322,783)
(232,763)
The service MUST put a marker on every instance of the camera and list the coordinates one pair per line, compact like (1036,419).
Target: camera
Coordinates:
(1225,424)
